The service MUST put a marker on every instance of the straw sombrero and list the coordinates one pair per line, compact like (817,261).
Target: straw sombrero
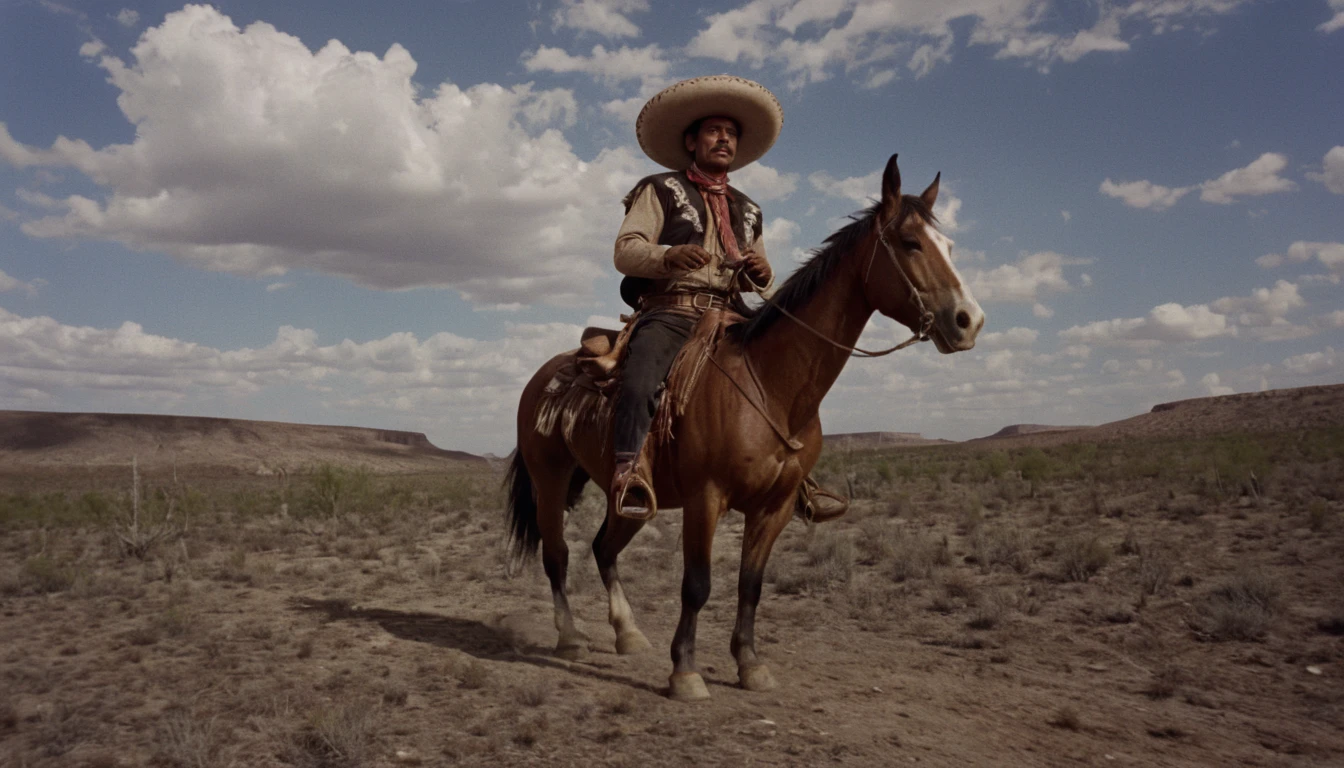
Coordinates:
(668,114)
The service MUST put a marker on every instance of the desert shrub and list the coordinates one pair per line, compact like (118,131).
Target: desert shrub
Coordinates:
(915,555)
(1155,569)
(333,491)
(1081,558)
(473,675)
(996,463)
(1318,515)
(988,611)
(188,740)
(1005,546)
(1242,608)
(832,554)
(533,693)
(337,736)
(1034,466)
(44,574)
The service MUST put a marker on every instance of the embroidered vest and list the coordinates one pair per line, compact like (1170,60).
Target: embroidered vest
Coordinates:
(683,221)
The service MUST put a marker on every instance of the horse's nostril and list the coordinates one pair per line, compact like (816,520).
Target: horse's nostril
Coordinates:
(963,320)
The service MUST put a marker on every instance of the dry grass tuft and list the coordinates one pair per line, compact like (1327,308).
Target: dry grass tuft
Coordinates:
(989,611)
(1243,608)
(1082,557)
(187,740)
(340,736)
(533,693)
(474,675)
(1004,546)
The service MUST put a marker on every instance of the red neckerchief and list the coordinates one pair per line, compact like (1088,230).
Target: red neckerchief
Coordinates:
(714,189)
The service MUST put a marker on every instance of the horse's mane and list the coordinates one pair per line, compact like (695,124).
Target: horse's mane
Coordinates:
(803,284)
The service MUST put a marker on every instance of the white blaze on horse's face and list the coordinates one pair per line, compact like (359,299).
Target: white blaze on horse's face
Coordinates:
(957,317)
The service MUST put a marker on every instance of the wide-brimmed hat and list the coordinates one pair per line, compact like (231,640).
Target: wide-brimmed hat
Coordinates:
(664,120)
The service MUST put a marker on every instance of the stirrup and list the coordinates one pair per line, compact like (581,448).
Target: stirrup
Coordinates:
(818,505)
(631,495)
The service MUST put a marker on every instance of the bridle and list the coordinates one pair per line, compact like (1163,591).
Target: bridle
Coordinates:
(925,316)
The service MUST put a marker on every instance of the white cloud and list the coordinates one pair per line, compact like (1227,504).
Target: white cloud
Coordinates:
(761,182)
(1034,275)
(273,287)
(1042,311)
(127,17)
(336,161)
(1336,21)
(8,283)
(1312,362)
(1013,337)
(626,111)
(1144,194)
(455,379)
(1263,306)
(1261,177)
(779,235)
(813,39)
(612,67)
(1332,174)
(1168,323)
(1065,215)
(1330,255)
(1214,386)
(604,17)
(862,190)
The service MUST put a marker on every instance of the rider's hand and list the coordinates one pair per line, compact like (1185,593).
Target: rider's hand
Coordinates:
(686,258)
(757,268)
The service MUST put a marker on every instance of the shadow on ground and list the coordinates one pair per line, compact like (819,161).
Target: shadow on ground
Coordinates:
(469,636)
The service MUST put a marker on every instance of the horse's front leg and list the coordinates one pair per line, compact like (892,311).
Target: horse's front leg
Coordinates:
(700,517)
(762,529)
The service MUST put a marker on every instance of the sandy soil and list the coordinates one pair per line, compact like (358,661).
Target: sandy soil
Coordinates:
(954,619)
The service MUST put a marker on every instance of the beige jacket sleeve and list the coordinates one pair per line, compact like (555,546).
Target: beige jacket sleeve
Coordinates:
(637,251)
(747,283)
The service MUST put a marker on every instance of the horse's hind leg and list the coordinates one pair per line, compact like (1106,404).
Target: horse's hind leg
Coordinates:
(554,493)
(757,540)
(615,534)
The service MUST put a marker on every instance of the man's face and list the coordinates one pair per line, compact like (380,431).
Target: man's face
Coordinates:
(715,145)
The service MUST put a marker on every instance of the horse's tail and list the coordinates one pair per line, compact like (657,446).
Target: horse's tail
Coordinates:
(521,510)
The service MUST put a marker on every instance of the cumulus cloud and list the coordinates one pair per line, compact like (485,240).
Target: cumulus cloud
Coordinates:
(761,182)
(604,17)
(1214,386)
(8,284)
(336,161)
(127,17)
(1033,275)
(611,67)
(1263,306)
(1336,22)
(454,378)
(864,190)
(1332,174)
(1168,323)
(1330,256)
(1312,362)
(1144,194)
(1261,177)
(813,39)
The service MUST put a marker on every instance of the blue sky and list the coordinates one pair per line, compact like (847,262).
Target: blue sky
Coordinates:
(331,213)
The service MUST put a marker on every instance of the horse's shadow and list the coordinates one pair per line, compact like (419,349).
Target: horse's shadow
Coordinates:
(467,635)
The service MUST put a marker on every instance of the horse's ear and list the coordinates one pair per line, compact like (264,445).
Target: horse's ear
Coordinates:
(930,195)
(891,190)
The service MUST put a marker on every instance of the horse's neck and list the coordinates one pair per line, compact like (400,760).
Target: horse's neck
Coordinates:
(796,367)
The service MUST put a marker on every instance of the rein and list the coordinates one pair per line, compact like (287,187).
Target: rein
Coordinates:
(925,316)
(761,405)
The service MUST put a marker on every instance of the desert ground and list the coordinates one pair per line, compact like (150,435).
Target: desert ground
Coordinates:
(1163,591)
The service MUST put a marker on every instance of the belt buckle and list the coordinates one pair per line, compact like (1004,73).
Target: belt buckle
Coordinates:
(709,300)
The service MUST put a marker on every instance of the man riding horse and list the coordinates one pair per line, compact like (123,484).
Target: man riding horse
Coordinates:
(690,242)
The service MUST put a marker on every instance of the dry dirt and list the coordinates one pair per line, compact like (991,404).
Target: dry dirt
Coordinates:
(1135,614)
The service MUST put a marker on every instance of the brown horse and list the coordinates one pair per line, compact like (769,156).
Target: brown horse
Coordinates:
(726,454)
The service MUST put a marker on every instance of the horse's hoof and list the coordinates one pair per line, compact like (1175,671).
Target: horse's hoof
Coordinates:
(632,642)
(757,678)
(687,686)
(571,651)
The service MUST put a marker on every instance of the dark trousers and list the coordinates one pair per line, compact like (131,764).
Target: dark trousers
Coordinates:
(654,344)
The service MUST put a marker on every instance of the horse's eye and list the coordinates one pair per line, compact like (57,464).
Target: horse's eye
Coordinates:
(910,245)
